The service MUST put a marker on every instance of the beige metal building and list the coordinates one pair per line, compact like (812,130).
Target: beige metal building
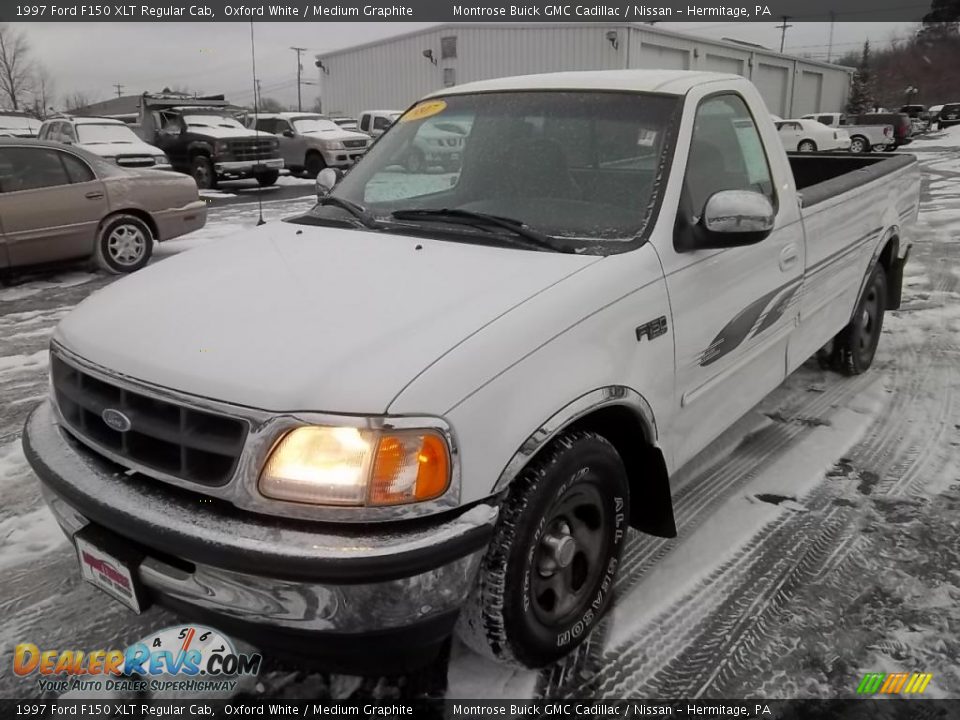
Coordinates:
(394,72)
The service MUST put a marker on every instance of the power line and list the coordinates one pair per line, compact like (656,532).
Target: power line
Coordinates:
(783,31)
(299,50)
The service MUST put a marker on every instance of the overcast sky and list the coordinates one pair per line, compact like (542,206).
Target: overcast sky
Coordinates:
(215,57)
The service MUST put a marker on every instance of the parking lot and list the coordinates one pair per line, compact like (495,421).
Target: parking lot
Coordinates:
(817,538)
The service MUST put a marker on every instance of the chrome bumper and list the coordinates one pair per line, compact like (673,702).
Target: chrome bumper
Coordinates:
(342,158)
(295,578)
(248,166)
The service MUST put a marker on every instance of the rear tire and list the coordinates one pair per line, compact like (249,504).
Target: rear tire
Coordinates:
(124,244)
(548,574)
(807,146)
(854,347)
(203,173)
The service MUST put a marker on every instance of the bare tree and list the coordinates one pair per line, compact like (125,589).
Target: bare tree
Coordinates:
(16,71)
(76,100)
(269,105)
(42,91)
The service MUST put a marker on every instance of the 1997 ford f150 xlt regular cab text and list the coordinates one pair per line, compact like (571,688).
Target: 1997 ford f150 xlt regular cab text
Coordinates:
(439,400)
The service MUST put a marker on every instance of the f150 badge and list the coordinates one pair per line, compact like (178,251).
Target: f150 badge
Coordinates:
(652,329)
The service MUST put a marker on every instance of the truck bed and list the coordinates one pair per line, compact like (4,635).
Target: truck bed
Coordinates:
(821,177)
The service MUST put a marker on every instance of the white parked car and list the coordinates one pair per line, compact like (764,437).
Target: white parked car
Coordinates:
(810,136)
(109,138)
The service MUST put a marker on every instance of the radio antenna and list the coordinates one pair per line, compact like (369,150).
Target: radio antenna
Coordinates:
(256,114)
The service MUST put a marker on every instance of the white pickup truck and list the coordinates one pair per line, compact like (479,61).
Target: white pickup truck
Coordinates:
(439,401)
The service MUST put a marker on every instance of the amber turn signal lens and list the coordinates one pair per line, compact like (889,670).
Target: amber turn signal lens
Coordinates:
(409,467)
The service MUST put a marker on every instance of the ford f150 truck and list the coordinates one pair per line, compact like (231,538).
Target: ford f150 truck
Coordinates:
(202,138)
(437,402)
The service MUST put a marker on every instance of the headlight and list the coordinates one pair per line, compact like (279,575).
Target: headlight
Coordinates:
(110,158)
(332,145)
(221,147)
(349,466)
(161,160)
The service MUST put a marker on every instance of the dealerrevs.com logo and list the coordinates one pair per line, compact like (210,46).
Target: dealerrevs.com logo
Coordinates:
(179,658)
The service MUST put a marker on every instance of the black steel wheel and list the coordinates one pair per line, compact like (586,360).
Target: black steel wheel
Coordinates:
(855,346)
(203,173)
(548,575)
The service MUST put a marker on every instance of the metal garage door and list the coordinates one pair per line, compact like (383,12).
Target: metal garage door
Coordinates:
(719,63)
(661,57)
(811,93)
(771,81)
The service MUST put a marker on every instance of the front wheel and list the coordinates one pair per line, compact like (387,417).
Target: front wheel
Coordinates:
(807,146)
(859,145)
(855,346)
(203,173)
(314,164)
(124,244)
(268,178)
(548,574)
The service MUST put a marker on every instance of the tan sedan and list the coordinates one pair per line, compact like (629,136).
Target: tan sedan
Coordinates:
(59,202)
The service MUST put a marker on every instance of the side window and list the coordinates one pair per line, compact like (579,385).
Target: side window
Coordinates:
(77,170)
(365,122)
(825,119)
(726,152)
(381,123)
(448,47)
(282,126)
(267,125)
(67,133)
(32,168)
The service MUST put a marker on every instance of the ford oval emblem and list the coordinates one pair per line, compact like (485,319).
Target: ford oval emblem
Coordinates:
(116,420)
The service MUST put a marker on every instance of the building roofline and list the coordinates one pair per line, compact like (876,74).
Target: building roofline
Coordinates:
(439,27)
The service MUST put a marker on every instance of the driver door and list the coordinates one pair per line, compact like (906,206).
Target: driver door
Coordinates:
(735,308)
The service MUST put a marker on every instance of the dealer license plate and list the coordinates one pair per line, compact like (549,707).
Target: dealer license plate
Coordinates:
(111,569)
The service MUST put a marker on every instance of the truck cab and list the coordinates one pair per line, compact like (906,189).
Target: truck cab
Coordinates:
(376,122)
(202,137)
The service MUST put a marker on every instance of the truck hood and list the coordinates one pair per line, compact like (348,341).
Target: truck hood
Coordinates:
(112,149)
(292,317)
(230,132)
(339,134)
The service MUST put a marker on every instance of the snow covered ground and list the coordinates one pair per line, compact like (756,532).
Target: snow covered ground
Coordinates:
(818,538)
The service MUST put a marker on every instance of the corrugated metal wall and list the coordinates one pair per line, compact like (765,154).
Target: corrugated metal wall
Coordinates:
(394,73)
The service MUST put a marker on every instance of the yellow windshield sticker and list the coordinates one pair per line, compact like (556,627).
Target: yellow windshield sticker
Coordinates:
(424,110)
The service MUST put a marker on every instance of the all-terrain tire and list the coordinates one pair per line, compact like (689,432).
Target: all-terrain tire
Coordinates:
(314,164)
(577,484)
(266,179)
(203,173)
(855,346)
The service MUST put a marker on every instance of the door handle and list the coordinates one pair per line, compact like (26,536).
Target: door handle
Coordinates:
(789,257)
(93,195)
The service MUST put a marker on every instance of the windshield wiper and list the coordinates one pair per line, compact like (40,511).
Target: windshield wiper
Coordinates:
(484,221)
(358,211)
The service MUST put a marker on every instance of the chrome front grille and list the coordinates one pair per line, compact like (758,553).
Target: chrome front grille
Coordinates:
(354,143)
(253,149)
(170,438)
(136,161)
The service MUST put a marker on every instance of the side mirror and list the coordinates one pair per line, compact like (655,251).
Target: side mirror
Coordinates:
(288,133)
(326,179)
(733,218)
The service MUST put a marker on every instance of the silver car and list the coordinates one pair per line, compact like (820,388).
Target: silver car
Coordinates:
(311,142)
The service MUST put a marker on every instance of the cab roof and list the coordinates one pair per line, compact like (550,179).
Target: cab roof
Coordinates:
(671,82)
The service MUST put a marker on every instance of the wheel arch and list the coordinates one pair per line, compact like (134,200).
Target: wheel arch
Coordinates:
(626,420)
(138,213)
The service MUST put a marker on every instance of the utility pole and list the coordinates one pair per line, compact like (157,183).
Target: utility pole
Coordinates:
(299,50)
(257,95)
(833,18)
(119,87)
(783,31)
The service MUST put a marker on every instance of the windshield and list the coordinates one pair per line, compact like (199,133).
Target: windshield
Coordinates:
(105,133)
(212,121)
(583,167)
(19,125)
(314,124)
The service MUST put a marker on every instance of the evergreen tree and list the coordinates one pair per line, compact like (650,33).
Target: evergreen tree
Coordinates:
(861,89)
